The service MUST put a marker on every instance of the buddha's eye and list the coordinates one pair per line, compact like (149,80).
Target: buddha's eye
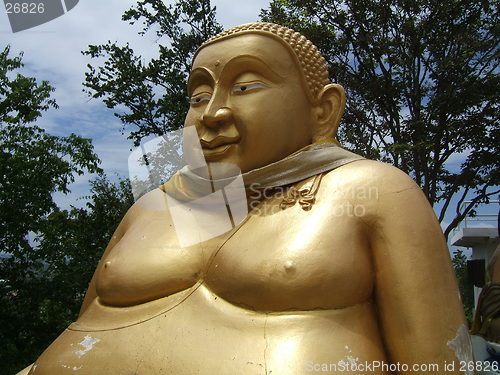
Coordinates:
(200,98)
(240,88)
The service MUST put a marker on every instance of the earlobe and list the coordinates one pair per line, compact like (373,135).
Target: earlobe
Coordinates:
(330,107)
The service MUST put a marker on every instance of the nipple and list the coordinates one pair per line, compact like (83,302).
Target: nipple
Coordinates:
(289,266)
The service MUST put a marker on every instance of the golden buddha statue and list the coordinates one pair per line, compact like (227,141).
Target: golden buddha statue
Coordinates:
(340,265)
(486,324)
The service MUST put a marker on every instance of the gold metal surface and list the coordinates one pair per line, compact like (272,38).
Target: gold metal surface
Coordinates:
(356,273)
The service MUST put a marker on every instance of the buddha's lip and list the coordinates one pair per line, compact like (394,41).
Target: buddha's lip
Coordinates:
(218,141)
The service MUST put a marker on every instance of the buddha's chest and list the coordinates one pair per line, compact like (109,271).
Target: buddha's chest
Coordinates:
(278,259)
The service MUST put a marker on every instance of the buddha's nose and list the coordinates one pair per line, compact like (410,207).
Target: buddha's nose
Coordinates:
(220,117)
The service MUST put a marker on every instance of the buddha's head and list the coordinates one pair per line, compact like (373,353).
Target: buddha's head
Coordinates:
(260,92)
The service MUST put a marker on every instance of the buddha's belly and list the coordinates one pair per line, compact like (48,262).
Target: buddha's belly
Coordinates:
(207,335)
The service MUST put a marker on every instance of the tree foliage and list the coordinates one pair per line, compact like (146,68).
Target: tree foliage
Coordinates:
(422,85)
(33,164)
(150,97)
(465,285)
(47,255)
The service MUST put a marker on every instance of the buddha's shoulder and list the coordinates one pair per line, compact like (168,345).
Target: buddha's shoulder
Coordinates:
(150,206)
(374,188)
(368,173)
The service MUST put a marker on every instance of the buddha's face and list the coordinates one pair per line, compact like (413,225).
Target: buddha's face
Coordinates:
(248,103)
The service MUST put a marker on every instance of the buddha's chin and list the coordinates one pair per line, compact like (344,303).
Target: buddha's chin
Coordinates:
(229,161)
(222,164)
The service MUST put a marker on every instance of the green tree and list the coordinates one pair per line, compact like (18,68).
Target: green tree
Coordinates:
(33,164)
(36,306)
(47,255)
(422,84)
(465,286)
(150,98)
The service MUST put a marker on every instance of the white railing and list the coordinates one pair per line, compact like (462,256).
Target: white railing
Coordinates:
(483,214)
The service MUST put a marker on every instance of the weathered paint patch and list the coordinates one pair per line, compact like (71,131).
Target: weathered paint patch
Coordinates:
(74,368)
(352,362)
(87,343)
(461,346)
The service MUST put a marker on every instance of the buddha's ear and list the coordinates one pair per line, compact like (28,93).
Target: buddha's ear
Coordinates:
(329,110)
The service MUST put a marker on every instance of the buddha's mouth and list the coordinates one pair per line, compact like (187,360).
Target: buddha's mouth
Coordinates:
(218,152)
(218,141)
(217,147)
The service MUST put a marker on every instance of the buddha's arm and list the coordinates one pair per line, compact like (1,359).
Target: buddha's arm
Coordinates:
(494,266)
(420,312)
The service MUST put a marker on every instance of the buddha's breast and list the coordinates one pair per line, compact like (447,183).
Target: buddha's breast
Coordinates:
(147,264)
(294,260)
